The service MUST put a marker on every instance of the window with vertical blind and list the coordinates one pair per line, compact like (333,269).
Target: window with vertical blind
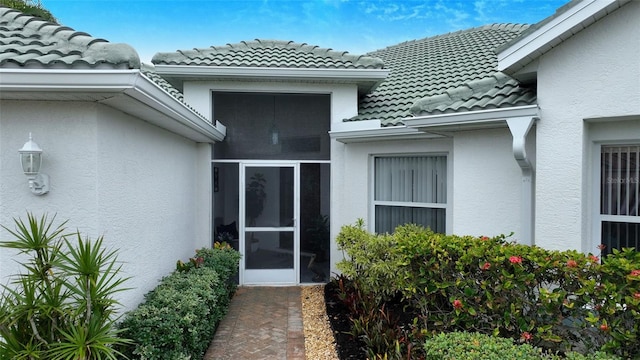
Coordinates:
(620,197)
(410,189)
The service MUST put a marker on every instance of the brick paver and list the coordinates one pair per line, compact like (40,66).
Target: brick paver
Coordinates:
(262,323)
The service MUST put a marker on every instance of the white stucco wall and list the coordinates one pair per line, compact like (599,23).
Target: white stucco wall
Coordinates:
(352,181)
(595,73)
(68,140)
(486,184)
(111,175)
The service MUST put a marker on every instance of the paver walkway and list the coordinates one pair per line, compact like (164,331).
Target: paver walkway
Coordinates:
(262,323)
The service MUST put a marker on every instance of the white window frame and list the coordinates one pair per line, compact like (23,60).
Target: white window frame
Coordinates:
(449,184)
(596,186)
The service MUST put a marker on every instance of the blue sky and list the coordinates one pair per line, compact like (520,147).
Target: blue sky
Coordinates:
(358,27)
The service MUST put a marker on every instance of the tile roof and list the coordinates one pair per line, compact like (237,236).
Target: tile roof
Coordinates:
(150,73)
(270,54)
(29,42)
(442,74)
(495,91)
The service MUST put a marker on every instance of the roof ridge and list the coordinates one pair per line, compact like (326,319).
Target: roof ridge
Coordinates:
(71,47)
(269,53)
(493,84)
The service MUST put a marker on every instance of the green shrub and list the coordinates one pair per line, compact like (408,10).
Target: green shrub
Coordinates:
(178,318)
(557,300)
(370,260)
(473,346)
(63,305)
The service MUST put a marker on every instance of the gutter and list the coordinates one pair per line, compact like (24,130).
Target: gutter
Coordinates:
(269,72)
(519,120)
(125,90)
(367,79)
(371,130)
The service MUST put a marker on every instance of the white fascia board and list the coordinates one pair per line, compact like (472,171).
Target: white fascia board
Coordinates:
(66,80)
(470,119)
(271,73)
(550,34)
(129,83)
(371,130)
(151,94)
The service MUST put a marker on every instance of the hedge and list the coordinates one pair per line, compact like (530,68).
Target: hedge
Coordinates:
(473,346)
(558,300)
(177,319)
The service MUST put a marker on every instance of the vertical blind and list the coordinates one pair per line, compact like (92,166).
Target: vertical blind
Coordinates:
(411,179)
(412,185)
(620,180)
(619,196)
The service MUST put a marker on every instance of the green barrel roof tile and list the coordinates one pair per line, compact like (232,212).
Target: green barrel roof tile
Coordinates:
(443,74)
(27,41)
(270,54)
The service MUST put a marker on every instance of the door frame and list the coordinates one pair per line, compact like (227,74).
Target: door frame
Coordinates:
(269,276)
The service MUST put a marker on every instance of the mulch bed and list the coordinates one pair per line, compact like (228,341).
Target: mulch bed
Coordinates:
(348,347)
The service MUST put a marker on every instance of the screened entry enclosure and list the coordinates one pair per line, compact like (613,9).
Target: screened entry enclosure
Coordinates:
(271,185)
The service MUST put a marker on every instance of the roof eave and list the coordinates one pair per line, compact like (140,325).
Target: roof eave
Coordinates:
(366,79)
(470,120)
(371,130)
(430,126)
(126,90)
(553,31)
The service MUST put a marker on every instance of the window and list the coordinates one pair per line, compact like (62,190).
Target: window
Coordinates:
(620,197)
(410,189)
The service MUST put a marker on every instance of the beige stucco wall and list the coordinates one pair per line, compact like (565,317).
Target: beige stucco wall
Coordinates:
(139,186)
(594,74)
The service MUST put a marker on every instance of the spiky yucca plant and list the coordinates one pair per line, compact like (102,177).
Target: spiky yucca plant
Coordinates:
(63,305)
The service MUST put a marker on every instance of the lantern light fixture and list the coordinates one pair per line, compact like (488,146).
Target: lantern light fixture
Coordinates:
(31,159)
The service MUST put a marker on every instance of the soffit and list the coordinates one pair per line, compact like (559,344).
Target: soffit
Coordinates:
(516,55)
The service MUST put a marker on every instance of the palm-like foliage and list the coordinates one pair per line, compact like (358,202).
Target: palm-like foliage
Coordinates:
(63,306)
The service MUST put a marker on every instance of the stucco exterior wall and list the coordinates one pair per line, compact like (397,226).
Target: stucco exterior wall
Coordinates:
(595,73)
(67,138)
(486,184)
(111,175)
(352,182)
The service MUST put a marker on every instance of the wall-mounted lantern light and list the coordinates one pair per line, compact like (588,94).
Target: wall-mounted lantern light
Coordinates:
(31,159)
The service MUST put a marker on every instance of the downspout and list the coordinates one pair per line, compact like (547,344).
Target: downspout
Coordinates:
(519,127)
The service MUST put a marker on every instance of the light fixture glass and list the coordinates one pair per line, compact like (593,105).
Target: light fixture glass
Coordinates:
(31,159)
(275,135)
